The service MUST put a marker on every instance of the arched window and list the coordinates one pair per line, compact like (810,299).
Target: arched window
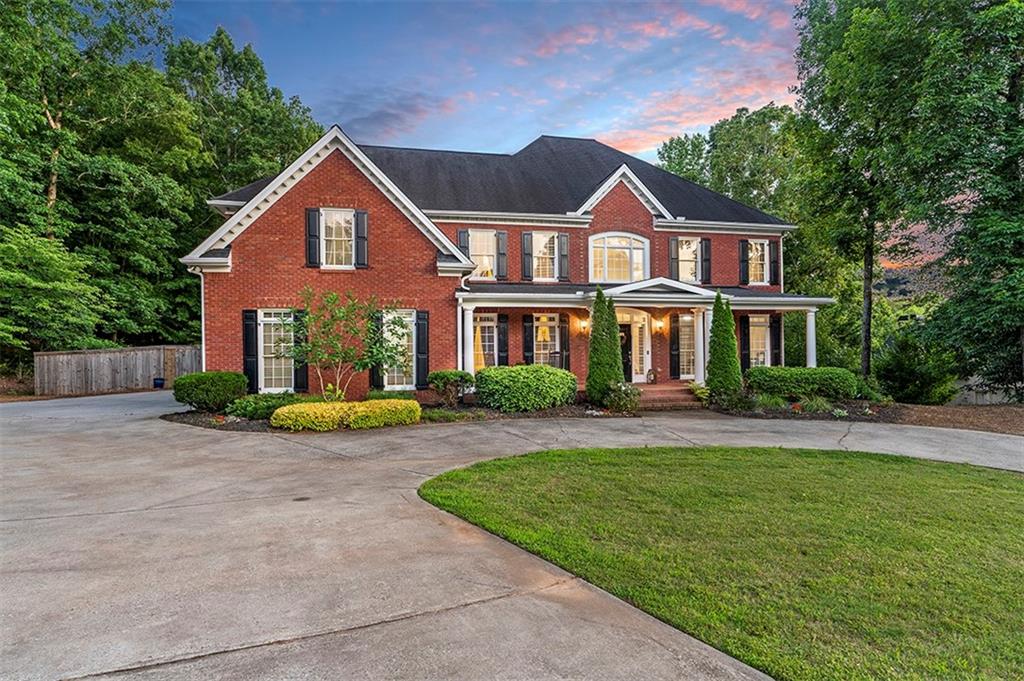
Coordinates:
(617,257)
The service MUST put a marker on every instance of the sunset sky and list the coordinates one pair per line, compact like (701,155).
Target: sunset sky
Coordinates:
(493,76)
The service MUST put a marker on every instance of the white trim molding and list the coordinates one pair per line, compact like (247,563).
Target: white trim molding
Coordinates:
(333,140)
(698,226)
(638,286)
(473,217)
(627,176)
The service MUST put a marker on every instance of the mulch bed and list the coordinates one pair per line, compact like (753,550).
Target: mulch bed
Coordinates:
(219,422)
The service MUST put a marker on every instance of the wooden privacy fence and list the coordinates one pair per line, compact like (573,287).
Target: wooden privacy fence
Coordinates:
(86,372)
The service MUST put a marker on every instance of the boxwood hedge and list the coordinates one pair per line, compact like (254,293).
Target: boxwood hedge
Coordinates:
(210,390)
(799,382)
(324,416)
(528,387)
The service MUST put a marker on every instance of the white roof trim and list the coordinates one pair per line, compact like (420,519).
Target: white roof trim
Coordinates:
(624,174)
(224,202)
(333,139)
(659,281)
(684,225)
(500,218)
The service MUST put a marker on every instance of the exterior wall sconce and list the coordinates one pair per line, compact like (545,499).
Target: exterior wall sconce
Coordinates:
(584,325)
(659,324)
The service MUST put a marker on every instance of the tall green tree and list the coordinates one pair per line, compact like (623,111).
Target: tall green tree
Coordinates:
(604,359)
(725,376)
(687,156)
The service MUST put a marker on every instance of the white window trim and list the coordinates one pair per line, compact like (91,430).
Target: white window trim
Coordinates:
(410,316)
(699,277)
(557,333)
(601,235)
(261,320)
(482,319)
(494,253)
(767,263)
(692,323)
(533,258)
(323,239)
(767,338)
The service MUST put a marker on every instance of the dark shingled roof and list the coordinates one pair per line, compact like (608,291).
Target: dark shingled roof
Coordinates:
(549,175)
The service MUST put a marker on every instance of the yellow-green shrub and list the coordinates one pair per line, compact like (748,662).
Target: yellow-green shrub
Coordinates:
(324,416)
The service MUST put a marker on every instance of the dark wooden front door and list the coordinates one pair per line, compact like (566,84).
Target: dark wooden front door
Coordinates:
(626,341)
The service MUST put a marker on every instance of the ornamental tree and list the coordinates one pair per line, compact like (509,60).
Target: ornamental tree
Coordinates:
(724,377)
(343,336)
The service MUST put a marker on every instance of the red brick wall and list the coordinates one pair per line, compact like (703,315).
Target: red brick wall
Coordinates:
(268,267)
(622,211)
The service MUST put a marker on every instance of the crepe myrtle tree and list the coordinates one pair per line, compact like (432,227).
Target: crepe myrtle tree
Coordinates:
(340,336)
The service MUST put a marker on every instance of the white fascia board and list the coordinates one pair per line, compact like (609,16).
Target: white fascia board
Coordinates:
(683,225)
(333,139)
(792,304)
(659,281)
(634,184)
(224,202)
(484,299)
(197,265)
(499,218)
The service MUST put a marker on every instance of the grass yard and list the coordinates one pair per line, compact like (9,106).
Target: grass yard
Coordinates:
(805,564)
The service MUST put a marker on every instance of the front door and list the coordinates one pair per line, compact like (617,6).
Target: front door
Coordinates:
(626,341)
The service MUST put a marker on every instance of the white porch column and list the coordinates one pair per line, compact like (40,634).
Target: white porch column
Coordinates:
(812,341)
(708,318)
(699,345)
(467,339)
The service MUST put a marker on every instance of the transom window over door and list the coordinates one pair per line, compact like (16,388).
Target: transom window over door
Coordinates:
(338,237)
(545,256)
(757,257)
(402,376)
(277,372)
(482,247)
(689,260)
(545,340)
(760,345)
(618,258)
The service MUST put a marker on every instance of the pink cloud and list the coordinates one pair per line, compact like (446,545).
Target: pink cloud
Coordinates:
(567,39)
(519,61)
(753,10)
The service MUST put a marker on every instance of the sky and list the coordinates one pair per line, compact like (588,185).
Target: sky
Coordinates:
(493,76)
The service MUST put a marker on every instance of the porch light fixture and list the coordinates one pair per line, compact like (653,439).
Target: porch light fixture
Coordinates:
(659,324)
(584,325)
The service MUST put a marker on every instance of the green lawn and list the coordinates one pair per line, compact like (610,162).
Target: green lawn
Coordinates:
(806,564)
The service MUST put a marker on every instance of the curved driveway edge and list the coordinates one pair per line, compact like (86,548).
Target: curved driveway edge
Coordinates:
(136,546)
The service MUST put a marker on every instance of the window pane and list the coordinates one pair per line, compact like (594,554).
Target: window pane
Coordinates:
(688,256)
(686,342)
(597,260)
(758,340)
(543,255)
(545,340)
(482,252)
(337,236)
(756,259)
(276,340)
(401,376)
(485,341)
(618,264)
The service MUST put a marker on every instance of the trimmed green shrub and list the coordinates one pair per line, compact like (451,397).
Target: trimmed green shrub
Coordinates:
(210,390)
(701,392)
(765,402)
(528,387)
(623,398)
(794,382)
(325,416)
(261,406)
(450,385)
(724,378)
(381,394)
(604,367)
(737,402)
(815,404)
(914,372)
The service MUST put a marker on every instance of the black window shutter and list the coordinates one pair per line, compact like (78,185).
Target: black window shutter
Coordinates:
(312,237)
(744,343)
(503,340)
(527,257)
(376,374)
(744,261)
(775,338)
(250,345)
(463,237)
(362,256)
(563,257)
(300,372)
(673,346)
(673,258)
(773,262)
(501,251)
(705,261)
(528,338)
(422,367)
(563,339)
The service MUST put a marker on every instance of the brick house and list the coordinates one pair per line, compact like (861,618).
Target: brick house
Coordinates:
(492,259)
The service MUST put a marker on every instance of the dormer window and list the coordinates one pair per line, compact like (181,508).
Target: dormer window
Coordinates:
(618,258)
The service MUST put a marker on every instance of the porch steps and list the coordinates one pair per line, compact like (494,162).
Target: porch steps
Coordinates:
(667,396)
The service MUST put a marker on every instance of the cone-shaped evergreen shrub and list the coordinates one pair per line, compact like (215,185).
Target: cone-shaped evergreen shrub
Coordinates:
(724,378)
(604,366)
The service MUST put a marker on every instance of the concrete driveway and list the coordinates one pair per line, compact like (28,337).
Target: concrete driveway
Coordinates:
(135,546)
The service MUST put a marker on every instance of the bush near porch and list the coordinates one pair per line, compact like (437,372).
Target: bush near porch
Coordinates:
(528,387)
(799,382)
(210,391)
(325,416)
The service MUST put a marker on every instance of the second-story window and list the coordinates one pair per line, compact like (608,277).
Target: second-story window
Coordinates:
(545,256)
(757,257)
(689,260)
(618,258)
(337,238)
(482,247)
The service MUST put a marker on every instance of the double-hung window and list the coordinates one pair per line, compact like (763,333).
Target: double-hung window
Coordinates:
(545,340)
(276,369)
(760,341)
(689,260)
(687,341)
(402,375)
(545,256)
(618,258)
(482,251)
(757,258)
(485,341)
(337,237)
